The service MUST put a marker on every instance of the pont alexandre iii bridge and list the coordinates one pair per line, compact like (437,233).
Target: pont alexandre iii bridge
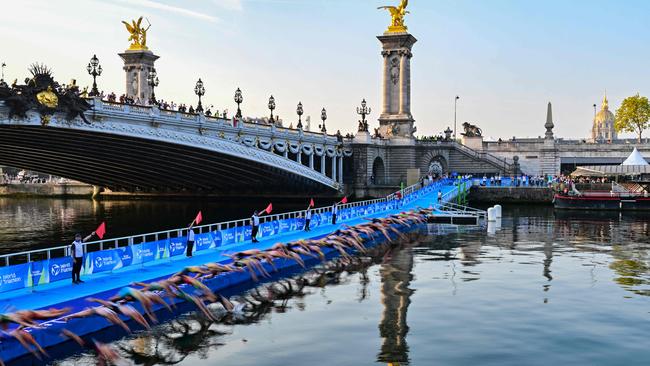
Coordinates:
(146,149)
(143,149)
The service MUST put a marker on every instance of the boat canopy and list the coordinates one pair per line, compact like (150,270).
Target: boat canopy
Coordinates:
(634,165)
(635,158)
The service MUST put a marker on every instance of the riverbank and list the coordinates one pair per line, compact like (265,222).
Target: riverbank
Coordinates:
(76,190)
(511,194)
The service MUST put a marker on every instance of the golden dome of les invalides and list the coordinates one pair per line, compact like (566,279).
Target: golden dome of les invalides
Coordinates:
(603,128)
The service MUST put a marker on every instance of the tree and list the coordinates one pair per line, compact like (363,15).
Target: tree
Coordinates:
(633,115)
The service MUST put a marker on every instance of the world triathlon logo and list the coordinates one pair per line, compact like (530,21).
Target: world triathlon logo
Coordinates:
(99,262)
(55,270)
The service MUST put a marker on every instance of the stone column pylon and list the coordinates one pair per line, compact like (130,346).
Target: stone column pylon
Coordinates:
(137,66)
(396,121)
(386,87)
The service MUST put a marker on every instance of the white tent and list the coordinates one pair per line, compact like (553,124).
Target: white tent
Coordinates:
(635,158)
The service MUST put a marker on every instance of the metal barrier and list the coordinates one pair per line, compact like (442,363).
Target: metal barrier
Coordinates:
(62,251)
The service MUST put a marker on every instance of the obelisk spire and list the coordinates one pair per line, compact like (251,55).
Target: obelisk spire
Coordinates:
(549,122)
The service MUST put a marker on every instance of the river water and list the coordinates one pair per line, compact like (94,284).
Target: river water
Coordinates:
(546,289)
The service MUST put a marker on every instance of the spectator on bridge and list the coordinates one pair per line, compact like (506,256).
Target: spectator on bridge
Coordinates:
(335,212)
(307,219)
(77,253)
(191,110)
(255,224)
(208,113)
(439,196)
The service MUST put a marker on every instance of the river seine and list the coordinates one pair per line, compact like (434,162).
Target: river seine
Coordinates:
(548,288)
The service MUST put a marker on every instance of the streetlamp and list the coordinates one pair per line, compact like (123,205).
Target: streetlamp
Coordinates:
(455,110)
(272,107)
(323,116)
(239,98)
(200,91)
(94,69)
(364,110)
(299,112)
(153,81)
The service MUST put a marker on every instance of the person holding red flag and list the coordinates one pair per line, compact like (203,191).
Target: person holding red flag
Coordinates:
(308,215)
(77,253)
(255,221)
(190,234)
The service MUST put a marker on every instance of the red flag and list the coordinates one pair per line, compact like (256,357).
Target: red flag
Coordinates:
(311,203)
(344,200)
(101,230)
(199,218)
(269,208)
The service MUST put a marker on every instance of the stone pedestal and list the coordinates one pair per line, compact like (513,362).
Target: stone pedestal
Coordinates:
(362,137)
(137,65)
(475,142)
(396,119)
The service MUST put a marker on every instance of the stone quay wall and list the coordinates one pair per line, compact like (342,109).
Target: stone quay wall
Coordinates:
(46,190)
(511,194)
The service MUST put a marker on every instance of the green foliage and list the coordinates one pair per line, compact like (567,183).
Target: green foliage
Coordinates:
(633,115)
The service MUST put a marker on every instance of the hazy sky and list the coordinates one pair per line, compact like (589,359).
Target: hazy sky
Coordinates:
(505,58)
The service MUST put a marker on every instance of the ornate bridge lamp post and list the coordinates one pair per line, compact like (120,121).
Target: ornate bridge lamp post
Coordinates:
(455,110)
(199,90)
(363,111)
(323,117)
(299,111)
(272,107)
(95,70)
(239,98)
(153,81)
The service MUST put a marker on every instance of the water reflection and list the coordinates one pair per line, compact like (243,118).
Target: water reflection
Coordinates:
(396,275)
(503,299)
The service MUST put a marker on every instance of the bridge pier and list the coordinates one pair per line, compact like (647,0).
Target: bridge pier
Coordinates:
(96,192)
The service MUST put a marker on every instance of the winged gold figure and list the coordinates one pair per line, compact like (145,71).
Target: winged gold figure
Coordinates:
(138,34)
(397,14)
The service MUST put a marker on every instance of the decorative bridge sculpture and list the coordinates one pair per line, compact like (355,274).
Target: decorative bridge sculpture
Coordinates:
(144,149)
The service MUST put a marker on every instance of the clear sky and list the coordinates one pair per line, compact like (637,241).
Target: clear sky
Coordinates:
(505,58)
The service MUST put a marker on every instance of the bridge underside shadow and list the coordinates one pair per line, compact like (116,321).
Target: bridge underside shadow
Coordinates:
(128,164)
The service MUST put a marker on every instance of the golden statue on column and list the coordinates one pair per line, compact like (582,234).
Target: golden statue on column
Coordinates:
(397,14)
(138,34)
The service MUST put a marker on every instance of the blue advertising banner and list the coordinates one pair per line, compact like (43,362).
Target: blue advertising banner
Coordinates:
(203,241)
(126,257)
(217,238)
(14,277)
(162,251)
(177,246)
(145,252)
(243,233)
(276,226)
(38,273)
(102,261)
(284,225)
(315,220)
(59,269)
(266,229)
(300,223)
(228,236)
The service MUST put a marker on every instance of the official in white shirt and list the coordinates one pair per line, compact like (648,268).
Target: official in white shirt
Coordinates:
(190,241)
(335,211)
(255,223)
(307,219)
(77,253)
